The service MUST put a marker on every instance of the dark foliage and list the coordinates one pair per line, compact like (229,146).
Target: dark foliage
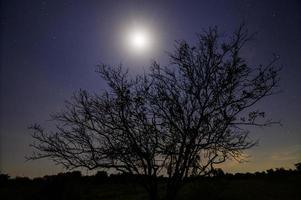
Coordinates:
(4,178)
(276,184)
(298,166)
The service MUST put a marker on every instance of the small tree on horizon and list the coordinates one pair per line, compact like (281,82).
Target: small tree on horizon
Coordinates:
(298,166)
(177,121)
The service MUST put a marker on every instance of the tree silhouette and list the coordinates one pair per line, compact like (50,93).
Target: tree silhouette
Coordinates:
(298,166)
(177,121)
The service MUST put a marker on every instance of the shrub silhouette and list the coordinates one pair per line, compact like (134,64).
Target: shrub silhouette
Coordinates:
(62,186)
(298,166)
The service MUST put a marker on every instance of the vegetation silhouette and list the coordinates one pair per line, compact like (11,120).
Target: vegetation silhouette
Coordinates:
(298,166)
(177,121)
(271,184)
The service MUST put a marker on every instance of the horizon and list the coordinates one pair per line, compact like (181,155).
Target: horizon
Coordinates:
(94,173)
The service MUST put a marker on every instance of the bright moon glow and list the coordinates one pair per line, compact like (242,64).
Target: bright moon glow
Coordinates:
(139,40)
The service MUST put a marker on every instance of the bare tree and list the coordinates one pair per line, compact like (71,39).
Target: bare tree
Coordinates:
(177,121)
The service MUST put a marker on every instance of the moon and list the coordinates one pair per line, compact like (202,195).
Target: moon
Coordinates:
(139,40)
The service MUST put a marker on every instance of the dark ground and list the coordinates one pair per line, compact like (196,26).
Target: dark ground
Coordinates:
(74,186)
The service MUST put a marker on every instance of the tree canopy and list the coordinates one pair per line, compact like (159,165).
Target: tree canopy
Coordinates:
(177,120)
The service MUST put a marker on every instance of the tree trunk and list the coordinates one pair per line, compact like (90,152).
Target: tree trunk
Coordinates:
(153,190)
(172,191)
(153,195)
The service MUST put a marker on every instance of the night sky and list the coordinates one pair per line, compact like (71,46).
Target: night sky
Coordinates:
(49,49)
